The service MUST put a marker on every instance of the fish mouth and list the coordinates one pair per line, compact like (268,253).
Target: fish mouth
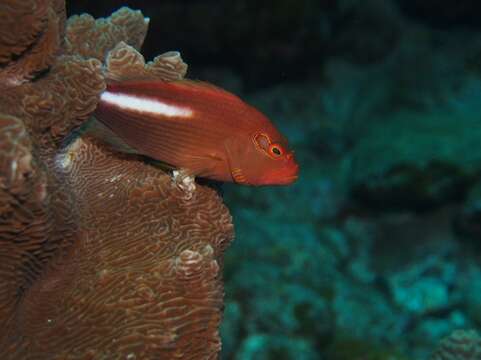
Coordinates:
(282,176)
(288,180)
(286,177)
(284,180)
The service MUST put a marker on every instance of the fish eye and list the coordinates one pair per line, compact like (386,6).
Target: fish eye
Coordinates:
(275,150)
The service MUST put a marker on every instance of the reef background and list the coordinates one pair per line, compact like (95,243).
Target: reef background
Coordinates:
(375,253)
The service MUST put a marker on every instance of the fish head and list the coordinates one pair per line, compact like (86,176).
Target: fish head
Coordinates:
(275,160)
(263,159)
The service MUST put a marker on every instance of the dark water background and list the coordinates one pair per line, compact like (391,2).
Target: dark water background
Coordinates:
(375,253)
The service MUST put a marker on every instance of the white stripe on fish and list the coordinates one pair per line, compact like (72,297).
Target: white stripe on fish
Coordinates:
(145,105)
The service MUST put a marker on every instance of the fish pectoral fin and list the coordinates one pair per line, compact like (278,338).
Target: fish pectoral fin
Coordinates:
(238,176)
(233,150)
(202,165)
(159,164)
(101,132)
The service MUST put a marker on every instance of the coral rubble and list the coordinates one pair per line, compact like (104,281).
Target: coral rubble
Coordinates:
(101,256)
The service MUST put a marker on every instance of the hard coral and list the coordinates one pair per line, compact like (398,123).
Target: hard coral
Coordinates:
(30,36)
(101,255)
(460,345)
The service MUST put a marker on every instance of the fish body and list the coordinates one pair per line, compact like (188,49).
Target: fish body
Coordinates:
(198,127)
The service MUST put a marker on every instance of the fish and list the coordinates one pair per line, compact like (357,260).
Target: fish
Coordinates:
(200,128)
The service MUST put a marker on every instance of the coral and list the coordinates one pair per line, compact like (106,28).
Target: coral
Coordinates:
(94,38)
(414,160)
(423,288)
(460,345)
(409,187)
(30,37)
(278,312)
(348,349)
(265,347)
(101,255)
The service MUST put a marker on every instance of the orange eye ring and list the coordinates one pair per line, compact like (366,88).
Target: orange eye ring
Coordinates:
(276,150)
(262,141)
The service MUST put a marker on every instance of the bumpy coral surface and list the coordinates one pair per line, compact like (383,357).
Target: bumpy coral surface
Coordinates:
(102,256)
(460,345)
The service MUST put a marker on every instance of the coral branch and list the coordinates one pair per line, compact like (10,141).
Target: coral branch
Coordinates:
(95,38)
(124,63)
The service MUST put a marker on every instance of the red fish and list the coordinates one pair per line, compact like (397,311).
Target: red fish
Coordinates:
(198,127)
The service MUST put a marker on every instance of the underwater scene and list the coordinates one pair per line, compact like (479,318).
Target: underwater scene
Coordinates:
(240,180)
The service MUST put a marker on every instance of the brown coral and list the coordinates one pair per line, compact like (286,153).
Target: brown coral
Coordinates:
(95,38)
(460,345)
(102,256)
(30,38)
